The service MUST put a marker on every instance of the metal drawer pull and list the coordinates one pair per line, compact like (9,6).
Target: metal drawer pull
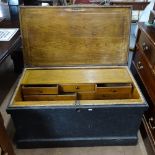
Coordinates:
(143,44)
(151,120)
(139,65)
(145,47)
(77,87)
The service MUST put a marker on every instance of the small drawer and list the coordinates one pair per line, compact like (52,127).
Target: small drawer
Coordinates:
(147,47)
(39,89)
(77,87)
(86,96)
(63,97)
(110,96)
(145,73)
(114,88)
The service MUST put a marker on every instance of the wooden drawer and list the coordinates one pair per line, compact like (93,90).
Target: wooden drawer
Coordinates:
(39,89)
(113,88)
(148,139)
(113,96)
(150,122)
(77,87)
(107,91)
(86,96)
(68,96)
(147,47)
(146,74)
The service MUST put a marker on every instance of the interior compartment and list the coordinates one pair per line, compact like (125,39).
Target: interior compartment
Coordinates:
(101,87)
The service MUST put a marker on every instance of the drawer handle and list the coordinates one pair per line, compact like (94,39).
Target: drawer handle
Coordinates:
(77,87)
(139,65)
(145,47)
(151,120)
(143,44)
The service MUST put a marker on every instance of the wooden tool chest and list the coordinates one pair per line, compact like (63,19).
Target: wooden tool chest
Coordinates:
(77,89)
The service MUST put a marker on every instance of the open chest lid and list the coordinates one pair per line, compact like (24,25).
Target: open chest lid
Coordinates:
(75,36)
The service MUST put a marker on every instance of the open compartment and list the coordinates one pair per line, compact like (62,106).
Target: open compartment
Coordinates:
(106,87)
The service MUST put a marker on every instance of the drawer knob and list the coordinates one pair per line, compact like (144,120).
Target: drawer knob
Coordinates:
(145,47)
(143,44)
(151,120)
(77,87)
(139,65)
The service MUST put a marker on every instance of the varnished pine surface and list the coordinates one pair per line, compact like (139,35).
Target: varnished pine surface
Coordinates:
(72,103)
(75,76)
(61,76)
(61,36)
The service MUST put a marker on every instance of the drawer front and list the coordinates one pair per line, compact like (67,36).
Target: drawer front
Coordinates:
(71,96)
(100,96)
(113,96)
(77,87)
(147,47)
(150,119)
(39,89)
(87,96)
(146,74)
(113,88)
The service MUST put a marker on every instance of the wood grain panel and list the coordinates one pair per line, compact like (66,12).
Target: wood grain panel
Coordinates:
(77,87)
(82,102)
(114,89)
(64,97)
(39,89)
(70,76)
(59,36)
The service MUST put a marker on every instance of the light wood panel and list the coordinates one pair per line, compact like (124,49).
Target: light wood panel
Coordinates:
(39,89)
(77,87)
(59,36)
(72,103)
(114,89)
(67,96)
(69,76)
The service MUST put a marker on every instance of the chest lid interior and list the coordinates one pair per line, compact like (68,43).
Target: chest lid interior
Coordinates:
(75,36)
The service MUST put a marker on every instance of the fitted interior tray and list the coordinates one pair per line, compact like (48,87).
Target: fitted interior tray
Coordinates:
(60,86)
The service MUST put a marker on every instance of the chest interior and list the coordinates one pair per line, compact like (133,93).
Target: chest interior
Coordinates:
(77,86)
